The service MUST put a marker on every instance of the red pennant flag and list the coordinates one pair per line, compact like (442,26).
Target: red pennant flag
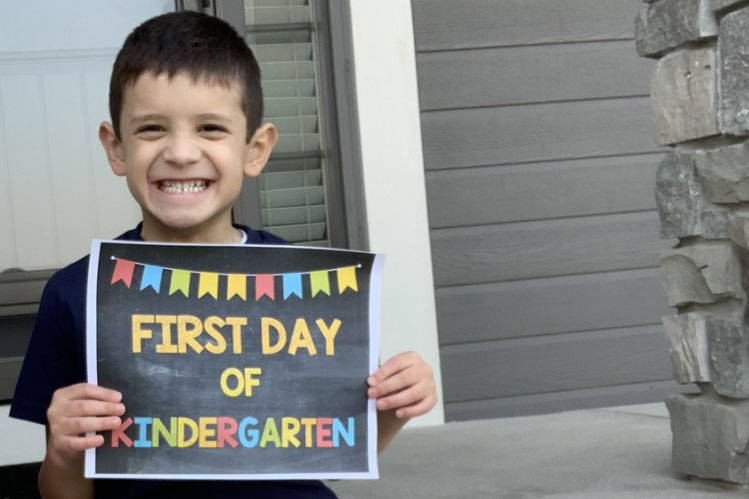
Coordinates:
(123,271)
(264,286)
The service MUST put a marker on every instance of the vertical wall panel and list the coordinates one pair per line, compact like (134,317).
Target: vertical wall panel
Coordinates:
(75,208)
(31,196)
(8,257)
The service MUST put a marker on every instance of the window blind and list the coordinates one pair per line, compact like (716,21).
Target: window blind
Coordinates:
(292,186)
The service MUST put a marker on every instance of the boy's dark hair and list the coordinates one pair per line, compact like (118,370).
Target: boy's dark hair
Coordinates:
(197,44)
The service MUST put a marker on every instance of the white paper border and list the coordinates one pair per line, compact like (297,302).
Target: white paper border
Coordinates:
(375,281)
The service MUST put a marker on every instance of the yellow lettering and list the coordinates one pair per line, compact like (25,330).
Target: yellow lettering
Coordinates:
(329,334)
(206,432)
(265,324)
(210,325)
(236,373)
(301,338)
(182,425)
(308,423)
(166,345)
(189,327)
(289,429)
(236,324)
(138,333)
(249,381)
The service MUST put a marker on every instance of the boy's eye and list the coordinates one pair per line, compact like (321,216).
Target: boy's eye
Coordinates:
(212,129)
(149,129)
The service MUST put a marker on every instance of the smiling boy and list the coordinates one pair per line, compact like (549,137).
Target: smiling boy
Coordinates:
(186,108)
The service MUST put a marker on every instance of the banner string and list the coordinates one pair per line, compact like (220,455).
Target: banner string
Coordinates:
(358,266)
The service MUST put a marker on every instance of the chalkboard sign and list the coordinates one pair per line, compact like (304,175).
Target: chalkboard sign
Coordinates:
(234,361)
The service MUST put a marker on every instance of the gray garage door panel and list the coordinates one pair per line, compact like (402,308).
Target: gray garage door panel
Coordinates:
(451,24)
(566,304)
(536,191)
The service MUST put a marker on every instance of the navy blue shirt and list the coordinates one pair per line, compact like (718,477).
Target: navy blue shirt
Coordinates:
(56,358)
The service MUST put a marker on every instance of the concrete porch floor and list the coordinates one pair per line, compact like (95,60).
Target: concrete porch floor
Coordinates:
(619,452)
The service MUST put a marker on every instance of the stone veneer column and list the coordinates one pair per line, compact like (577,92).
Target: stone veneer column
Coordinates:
(700,100)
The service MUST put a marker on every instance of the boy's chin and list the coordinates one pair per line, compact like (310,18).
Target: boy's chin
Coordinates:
(183,225)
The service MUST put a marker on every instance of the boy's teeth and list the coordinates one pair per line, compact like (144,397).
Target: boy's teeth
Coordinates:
(179,187)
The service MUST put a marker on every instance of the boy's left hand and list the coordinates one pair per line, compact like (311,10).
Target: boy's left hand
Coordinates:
(404,383)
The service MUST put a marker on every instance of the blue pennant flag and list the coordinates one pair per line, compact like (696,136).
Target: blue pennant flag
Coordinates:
(292,285)
(151,277)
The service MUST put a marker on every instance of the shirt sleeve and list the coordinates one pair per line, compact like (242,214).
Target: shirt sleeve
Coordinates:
(50,359)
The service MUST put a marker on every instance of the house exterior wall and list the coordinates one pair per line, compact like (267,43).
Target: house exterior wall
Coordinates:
(540,165)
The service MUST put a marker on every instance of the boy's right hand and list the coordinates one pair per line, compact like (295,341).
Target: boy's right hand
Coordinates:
(76,410)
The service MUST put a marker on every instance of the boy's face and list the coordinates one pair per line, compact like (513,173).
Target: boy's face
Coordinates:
(184,154)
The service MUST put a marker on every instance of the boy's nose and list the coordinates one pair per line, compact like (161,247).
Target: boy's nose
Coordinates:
(181,150)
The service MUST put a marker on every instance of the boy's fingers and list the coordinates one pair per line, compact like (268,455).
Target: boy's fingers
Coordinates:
(77,426)
(403,398)
(417,409)
(394,383)
(77,444)
(96,392)
(83,391)
(393,365)
(94,408)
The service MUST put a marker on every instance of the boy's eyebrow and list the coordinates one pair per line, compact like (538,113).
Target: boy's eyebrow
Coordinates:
(213,116)
(145,117)
(152,117)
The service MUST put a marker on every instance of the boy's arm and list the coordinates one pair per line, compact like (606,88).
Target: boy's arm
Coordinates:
(74,411)
(404,388)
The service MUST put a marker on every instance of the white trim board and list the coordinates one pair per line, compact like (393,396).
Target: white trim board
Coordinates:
(393,177)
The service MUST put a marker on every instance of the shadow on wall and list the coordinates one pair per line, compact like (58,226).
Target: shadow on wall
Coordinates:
(19,481)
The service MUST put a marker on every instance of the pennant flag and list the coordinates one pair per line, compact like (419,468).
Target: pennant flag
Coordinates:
(292,285)
(180,282)
(123,271)
(318,282)
(151,277)
(236,284)
(347,279)
(264,286)
(208,284)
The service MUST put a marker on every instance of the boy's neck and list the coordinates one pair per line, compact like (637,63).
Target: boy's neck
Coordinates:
(217,234)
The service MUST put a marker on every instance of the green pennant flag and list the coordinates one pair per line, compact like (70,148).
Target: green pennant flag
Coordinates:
(180,282)
(318,282)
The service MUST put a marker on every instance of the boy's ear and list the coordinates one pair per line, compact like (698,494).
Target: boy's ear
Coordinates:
(113,148)
(259,149)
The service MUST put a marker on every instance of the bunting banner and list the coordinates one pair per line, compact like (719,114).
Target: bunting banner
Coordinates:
(236,284)
(235,362)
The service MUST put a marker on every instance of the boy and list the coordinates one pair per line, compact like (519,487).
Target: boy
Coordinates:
(186,109)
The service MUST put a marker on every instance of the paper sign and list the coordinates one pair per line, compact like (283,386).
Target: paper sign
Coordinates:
(234,361)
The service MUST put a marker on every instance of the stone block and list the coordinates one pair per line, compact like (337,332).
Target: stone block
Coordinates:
(733,42)
(729,356)
(688,350)
(683,95)
(716,5)
(724,173)
(738,227)
(667,24)
(705,273)
(710,437)
(682,207)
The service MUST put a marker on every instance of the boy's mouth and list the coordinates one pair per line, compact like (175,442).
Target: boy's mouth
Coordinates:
(182,186)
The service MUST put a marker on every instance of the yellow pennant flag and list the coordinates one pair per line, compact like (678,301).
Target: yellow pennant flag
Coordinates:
(208,284)
(236,284)
(318,281)
(180,282)
(347,279)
